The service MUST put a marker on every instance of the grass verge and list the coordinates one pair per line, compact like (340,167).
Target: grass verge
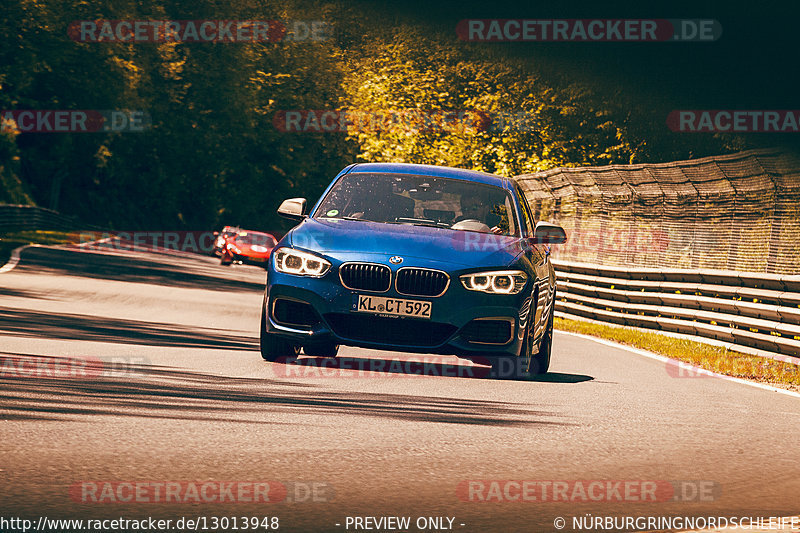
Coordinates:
(9,241)
(705,356)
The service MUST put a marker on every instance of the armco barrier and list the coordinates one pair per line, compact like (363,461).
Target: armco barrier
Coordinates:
(760,311)
(28,217)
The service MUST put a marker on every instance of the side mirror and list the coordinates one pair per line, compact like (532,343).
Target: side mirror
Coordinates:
(547,233)
(293,208)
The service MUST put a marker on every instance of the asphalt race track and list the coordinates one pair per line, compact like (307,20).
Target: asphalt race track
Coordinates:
(121,368)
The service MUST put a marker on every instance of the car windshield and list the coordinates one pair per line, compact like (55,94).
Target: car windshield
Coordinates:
(256,238)
(420,200)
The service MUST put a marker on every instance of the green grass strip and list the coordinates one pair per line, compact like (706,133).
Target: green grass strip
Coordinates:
(715,358)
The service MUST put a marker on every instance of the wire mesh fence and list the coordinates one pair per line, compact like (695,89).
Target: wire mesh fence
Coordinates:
(733,212)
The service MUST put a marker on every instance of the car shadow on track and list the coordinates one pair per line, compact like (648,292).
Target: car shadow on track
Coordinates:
(377,367)
(18,293)
(40,324)
(34,387)
(560,377)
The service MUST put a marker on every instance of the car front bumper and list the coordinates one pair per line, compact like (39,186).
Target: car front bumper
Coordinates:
(324,312)
(248,259)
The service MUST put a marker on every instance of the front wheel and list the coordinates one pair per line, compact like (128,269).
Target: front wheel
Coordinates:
(526,363)
(540,362)
(274,347)
(515,366)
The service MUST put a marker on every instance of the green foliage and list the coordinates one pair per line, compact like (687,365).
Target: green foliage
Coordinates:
(213,156)
(536,125)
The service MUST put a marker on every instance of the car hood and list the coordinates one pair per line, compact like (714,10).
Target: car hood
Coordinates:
(351,240)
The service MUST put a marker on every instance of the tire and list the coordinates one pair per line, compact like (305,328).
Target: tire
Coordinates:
(514,366)
(540,363)
(526,364)
(322,349)
(506,367)
(274,347)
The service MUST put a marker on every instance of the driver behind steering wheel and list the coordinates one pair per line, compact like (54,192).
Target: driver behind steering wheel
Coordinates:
(473,207)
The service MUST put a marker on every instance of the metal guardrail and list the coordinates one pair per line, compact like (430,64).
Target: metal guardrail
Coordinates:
(760,311)
(28,217)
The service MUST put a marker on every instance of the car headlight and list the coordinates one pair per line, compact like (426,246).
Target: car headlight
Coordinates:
(258,248)
(290,261)
(496,282)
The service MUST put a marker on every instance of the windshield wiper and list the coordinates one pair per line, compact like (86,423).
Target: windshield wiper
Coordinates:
(422,222)
(347,218)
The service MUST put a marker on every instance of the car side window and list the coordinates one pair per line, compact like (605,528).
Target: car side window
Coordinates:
(526,212)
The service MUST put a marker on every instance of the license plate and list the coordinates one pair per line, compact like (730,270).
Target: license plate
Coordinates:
(379,305)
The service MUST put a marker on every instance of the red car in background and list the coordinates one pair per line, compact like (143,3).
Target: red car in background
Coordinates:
(250,247)
(221,236)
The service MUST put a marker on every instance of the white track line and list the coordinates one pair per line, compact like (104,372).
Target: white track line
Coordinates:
(14,259)
(100,241)
(665,359)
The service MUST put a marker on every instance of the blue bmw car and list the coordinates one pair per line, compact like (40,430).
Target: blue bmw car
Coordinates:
(414,258)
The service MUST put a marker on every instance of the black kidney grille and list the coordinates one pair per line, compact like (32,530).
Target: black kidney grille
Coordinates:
(421,282)
(365,276)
